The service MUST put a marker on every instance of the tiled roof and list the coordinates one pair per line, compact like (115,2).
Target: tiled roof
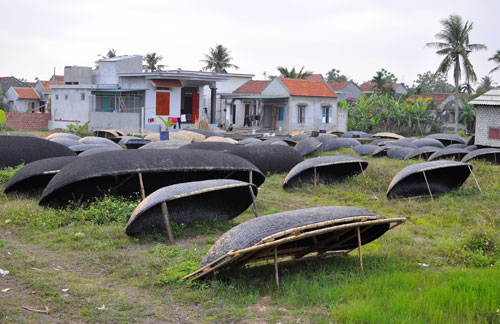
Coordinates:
(253,87)
(2,79)
(26,93)
(46,84)
(59,78)
(167,83)
(336,86)
(30,84)
(371,86)
(306,88)
(315,77)
(437,98)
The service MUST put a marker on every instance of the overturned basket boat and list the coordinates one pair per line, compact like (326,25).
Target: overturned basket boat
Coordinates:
(37,174)
(428,179)
(220,199)
(297,234)
(307,146)
(325,169)
(127,172)
(485,154)
(270,158)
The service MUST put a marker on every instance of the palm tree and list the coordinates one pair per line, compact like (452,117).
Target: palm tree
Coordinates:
(495,58)
(454,45)
(152,61)
(292,74)
(334,76)
(486,84)
(466,88)
(379,81)
(218,60)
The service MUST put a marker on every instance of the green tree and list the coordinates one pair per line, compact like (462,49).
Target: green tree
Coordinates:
(496,59)
(455,46)
(334,76)
(293,74)
(429,82)
(111,53)
(151,62)
(468,117)
(486,84)
(218,60)
(466,88)
(383,80)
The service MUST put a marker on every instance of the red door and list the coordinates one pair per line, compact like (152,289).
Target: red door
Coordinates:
(162,103)
(196,107)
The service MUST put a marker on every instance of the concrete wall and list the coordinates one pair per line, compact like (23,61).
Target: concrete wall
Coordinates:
(108,69)
(21,121)
(123,121)
(67,106)
(486,117)
(78,74)
(227,86)
(275,88)
(350,90)
(314,113)
(150,105)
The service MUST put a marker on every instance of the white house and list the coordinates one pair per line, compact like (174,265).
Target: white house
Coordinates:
(23,99)
(286,104)
(487,118)
(119,95)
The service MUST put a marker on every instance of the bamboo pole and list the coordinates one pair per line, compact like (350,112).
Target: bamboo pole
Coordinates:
(428,187)
(276,274)
(359,249)
(315,177)
(166,218)
(141,183)
(362,170)
(477,183)
(254,203)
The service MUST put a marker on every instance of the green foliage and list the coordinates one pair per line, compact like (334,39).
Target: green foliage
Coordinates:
(292,74)
(218,60)
(429,82)
(334,76)
(7,173)
(3,119)
(383,113)
(496,59)
(167,123)
(151,61)
(80,130)
(487,83)
(468,117)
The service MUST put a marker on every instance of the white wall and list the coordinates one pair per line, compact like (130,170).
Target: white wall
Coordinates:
(79,74)
(150,104)
(314,113)
(129,122)
(20,105)
(71,109)
(107,72)
(275,88)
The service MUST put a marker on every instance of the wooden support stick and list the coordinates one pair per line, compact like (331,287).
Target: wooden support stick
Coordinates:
(250,177)
(166,218)
(142,186)
(359,249)
(276,275)
(477,183)
(362,171)
(428,187)
(254,203)
(315,177)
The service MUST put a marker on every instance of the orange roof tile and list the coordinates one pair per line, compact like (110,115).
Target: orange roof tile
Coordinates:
(167,83)
(306,88)
(46,84)
(337,86)
(253,87)
(315,77)
(27,93)
(437,98)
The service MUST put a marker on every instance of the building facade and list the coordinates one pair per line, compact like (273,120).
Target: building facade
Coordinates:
(487,119)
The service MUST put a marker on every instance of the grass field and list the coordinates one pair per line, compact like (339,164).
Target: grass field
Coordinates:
(441,266)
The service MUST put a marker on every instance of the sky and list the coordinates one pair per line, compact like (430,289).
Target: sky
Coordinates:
(356,37)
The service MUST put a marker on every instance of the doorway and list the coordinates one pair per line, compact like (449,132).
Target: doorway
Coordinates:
(190,104)
(268,116)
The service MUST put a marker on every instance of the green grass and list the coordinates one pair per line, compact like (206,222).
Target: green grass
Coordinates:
(138,278)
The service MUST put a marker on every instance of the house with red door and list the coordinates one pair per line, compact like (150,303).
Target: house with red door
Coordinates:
(119,94)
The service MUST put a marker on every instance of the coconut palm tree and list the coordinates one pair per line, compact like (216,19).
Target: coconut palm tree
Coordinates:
(292,74)
(495,58)
(454,45)
(152,61)
(486,84)
(466,88)
(218,60)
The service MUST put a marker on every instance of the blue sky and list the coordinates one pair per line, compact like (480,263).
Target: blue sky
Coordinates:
(359,38)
